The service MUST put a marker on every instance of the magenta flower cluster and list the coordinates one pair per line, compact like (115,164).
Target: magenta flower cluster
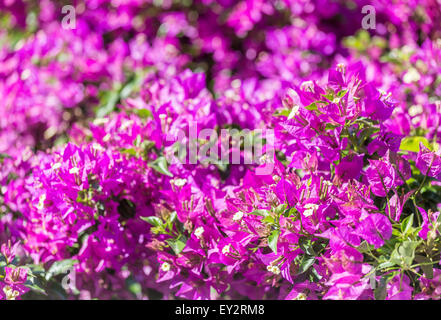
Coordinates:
(93,190)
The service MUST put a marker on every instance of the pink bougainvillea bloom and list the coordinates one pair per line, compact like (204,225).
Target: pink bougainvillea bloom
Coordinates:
(350,167)
(429,163)
(382,177)
(375,229)
(399,288)
(9,251)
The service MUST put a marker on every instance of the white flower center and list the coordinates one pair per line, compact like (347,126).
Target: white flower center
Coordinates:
(165,267)
(300,296)
(310,208)
(341,67)
(41,201)
(107,137)
(294,112)
(25,74)
(56,166)
(198,232)
(74,170)
(179,182)
(415,109)
(238,216)
(10,293)
(328,183)
(226,249)
(307,85)
(273,269)
(411,76)
(97,146)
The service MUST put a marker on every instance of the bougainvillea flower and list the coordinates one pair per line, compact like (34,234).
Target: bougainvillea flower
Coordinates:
(429,163)
(350,167)
(399,288)
(375,229)
(382,177)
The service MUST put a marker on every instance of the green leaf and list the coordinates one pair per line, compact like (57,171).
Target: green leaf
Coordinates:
(380,292)
(364,247)
(395,257)
(405,253)
(177,245)
(315,276)
(312,106)
(130,151)
(306,246)
(127,90)
(161,166)
(273,239)
(359,42)
(290,212)
(35,285)
(329,95)
(306,263)
(60,267)
(396,232)
(284,112)
(2,261)
(407,249)
(154,221)
(280,209)
(342,93)
(438,221)
(137,141)
(386,264)
(427,267)
(172,217)
(4,156)
(260,212)
(146,145)
(407,224)
(133,286)
(330,126)
(143,113)
(109,99)
(34,269)
(413,144)
(268,219)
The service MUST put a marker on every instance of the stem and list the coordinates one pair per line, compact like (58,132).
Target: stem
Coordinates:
(425,176)
(417,212)
(371,254)
(418,215)
(424,264)
(421,185)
